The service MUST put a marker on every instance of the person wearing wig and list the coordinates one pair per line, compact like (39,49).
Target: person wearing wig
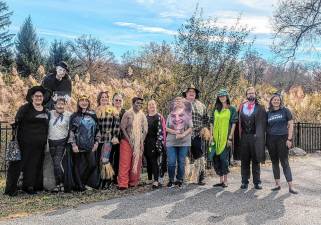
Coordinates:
(84,137)
(279,140)
(223,121)
(134,127)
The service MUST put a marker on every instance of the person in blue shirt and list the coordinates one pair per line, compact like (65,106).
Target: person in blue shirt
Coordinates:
(279,140)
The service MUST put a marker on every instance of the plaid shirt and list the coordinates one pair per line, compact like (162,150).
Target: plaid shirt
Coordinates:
(199,117)
(109,127)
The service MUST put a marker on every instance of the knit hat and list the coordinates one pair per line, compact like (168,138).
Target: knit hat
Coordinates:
(222,92)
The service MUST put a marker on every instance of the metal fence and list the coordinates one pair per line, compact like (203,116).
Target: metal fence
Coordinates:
(5,137)
(306,136)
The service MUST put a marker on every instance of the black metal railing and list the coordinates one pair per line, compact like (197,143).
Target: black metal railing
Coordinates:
(5,137)
(307,136)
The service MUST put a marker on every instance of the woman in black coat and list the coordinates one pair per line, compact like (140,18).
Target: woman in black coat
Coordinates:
(84,137)
(31,122)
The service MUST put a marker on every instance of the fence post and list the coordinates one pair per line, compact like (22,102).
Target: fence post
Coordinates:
(298,134)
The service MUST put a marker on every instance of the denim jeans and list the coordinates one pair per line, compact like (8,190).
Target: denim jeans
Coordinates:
(176,154)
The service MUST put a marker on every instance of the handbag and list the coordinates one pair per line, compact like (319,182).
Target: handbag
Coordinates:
(13,152)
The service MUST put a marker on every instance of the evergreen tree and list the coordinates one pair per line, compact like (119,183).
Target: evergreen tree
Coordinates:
(58,52)
(28,49)
(6,55)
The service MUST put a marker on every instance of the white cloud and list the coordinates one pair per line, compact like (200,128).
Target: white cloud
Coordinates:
(259,24)
(56,33)
(147,29)
(259,4)
(179,14)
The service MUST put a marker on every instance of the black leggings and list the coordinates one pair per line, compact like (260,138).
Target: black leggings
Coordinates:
(279,152)
(57,151)
(152,166)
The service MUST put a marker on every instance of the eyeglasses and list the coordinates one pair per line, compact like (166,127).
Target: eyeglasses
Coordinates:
(117,100)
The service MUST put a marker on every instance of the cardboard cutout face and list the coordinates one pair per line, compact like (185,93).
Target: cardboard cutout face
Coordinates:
(180,114)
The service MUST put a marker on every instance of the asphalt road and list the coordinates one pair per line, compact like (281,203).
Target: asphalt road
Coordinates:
(206,205)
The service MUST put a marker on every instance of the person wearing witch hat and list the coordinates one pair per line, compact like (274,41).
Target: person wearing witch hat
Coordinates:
(200,122)
(31,127)
(252,129)
(59,83)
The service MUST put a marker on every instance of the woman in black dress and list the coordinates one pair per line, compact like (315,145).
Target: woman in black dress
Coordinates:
(31,122)
(154,143)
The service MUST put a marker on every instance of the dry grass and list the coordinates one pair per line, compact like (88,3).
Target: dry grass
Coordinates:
(24,205)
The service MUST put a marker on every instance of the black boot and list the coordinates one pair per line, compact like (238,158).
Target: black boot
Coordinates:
(201,178)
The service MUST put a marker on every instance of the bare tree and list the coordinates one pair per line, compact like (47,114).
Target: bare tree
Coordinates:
(254,66)
(93,56)
(297,23)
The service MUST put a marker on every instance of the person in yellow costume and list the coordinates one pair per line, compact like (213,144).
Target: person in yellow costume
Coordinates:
(223,120)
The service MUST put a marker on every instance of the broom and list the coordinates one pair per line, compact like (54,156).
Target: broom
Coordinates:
(106,172)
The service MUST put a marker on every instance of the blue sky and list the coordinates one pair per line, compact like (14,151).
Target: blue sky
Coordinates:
(128,24)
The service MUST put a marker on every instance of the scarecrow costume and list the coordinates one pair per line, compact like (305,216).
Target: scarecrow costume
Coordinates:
(131,151)
(200,121)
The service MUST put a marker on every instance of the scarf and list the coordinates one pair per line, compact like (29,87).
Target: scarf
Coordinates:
(60,116)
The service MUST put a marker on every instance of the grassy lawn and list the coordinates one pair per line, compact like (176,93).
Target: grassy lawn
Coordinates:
(24,204)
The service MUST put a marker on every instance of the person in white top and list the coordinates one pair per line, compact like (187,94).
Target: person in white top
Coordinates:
(57,139)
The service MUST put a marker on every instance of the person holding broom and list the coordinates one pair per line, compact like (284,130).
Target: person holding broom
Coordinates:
(108,122)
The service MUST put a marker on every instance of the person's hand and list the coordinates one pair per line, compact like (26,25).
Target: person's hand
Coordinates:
(115,141)
(95,147)
(179,136)
(75,148)
(289,144)
(55,97)
(229,143)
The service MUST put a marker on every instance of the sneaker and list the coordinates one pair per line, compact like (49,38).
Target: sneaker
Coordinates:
(244,186)
(179,183)
(258,186)
(170,184)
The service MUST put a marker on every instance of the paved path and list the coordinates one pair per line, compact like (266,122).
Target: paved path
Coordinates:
(206,205)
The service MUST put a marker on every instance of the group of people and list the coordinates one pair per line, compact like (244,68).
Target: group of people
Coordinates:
(97,148)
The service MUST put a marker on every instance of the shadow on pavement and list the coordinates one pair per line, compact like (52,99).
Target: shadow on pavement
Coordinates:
(227,204)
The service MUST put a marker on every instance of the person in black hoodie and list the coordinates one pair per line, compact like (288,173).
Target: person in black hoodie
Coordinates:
(84,137)
(59,83)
